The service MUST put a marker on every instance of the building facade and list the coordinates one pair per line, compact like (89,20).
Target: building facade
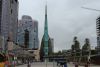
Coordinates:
(98,33)
(1,39)
(26,23)
(0,13)
(52,44)
(9,19)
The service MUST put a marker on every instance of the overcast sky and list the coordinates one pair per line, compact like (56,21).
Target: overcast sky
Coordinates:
(66,19)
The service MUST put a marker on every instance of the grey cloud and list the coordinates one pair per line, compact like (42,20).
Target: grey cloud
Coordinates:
(66,19)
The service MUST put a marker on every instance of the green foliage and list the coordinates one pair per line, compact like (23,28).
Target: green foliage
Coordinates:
(75,49)
(76,44)
(86,50)
(78,54)
(86,46)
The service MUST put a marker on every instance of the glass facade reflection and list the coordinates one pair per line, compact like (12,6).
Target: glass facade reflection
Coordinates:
(32,27)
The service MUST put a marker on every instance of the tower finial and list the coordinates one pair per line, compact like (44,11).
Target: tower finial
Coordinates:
(46,8)
(46,2)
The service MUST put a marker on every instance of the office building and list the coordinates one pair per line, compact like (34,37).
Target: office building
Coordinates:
(52,45)
(28,32)
(0,13)
(8,19)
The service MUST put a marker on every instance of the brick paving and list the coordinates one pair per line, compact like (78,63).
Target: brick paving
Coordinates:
(50,64)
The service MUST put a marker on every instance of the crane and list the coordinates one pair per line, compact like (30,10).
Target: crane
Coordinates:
(98,43)
(91,9)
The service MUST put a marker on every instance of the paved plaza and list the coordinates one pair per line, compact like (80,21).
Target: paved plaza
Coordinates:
(50,64)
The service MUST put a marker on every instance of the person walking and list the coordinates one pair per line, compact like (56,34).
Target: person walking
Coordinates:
(87,64)
(65,65)
(76,64)
(29,64)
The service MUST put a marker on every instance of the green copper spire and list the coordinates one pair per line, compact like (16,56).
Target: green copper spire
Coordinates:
(46,36)
(46,24)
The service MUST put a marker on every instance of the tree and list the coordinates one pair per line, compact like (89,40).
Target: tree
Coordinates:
(86,50)
(59,53)
(86,46)
(76,44)
(72,52)
(72,47)
(76,49)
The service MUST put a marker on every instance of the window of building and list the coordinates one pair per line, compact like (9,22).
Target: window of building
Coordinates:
(11,11)
(31,52)
(12,1)
(26,22)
